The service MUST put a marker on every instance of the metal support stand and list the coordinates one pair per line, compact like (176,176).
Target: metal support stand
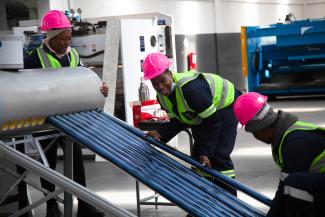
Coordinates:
(63,183)
(25,205)
(68,172)
(147,126)
(23,199)
(146,200)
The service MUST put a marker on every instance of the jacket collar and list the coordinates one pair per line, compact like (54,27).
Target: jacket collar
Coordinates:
(285,120)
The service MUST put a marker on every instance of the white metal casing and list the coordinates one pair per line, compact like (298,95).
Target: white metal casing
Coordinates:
(135,46)
(11,52)
(88,44)
(27,97)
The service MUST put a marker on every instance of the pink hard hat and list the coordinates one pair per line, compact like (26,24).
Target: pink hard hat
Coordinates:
(248,105)
(154,65)
(55,19)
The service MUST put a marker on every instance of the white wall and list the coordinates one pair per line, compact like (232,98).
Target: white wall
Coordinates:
(59,5)
(314,9)
(42,7)
(199,16)
(191,16)
(45,5)
(232,14)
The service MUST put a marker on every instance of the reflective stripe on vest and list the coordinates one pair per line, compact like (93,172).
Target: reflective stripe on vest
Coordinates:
(229,173)
(295,192)
(318,164)
(222,97)
(298,193)
(283,176)
(75,57)
(167,105)
(48,61)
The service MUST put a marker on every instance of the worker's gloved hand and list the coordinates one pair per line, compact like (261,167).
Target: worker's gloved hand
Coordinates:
(153,134)
(104,89)
(205,161)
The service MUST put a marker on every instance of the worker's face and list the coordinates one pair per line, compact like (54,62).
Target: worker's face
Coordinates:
(266,135)
(163,83)
(61,42)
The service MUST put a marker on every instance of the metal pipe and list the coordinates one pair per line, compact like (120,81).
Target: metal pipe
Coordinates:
(157,171)
(136,149)
(263,199)
(122,131)
(131,153)
(212,193)
(73,118)
(99,147)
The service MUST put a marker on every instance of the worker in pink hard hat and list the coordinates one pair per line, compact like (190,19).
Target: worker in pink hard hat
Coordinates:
(202,102)
(55,52)
(55,23)
(250,109)
(298,148)
(55,19)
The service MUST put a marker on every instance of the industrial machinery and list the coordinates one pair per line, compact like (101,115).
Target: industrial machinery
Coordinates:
(89,40)
(285,59)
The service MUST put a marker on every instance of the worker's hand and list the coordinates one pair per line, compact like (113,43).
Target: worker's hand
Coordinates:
(104,89)
(153,134)
(205,161)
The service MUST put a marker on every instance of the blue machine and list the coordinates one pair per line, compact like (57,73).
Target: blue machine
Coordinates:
(285,59)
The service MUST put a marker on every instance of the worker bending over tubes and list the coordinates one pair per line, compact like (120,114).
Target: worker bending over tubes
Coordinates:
(56,52)
(201,101)
(298,148)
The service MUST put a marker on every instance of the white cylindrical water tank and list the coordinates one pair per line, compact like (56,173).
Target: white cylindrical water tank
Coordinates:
(27,97)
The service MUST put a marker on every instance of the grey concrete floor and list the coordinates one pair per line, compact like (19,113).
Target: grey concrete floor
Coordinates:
(253,163)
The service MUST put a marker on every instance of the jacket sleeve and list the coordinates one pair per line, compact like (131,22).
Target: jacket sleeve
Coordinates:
(170,130)
(207,135)
(277,208)
(32,61)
